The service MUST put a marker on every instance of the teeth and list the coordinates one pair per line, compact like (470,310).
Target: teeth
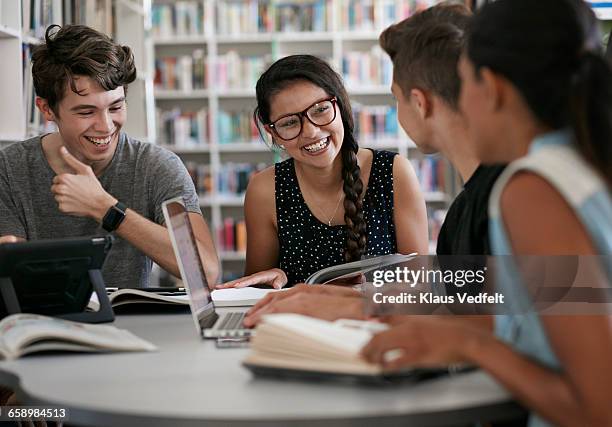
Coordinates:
(99,141)
(312,148)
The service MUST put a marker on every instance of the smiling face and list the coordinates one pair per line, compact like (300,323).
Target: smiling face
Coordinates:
(89,123)
(317,146)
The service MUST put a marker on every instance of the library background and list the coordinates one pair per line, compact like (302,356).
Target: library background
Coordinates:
(198,62)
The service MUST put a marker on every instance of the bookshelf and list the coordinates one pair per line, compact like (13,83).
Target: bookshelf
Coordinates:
(237,40)
(22,25)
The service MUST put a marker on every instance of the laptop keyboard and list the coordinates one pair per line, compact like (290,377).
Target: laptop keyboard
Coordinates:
(231,321)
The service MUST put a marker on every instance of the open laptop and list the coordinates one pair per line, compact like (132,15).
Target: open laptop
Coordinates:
(209,323)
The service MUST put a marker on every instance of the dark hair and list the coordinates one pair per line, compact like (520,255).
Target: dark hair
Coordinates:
(77,50)
(550,50)
(291,69)
(425,50)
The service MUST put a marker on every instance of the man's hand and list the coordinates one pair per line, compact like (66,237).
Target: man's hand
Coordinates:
(11,239)
(80,194)
(422,341)
(326,307)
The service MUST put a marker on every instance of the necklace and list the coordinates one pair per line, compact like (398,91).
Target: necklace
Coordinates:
(330,218)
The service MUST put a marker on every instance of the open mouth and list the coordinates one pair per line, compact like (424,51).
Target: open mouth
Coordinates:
(317,146)
(100,141)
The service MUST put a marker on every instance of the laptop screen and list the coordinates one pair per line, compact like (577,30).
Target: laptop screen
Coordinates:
(187,255)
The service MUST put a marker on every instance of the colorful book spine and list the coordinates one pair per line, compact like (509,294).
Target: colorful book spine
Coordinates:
(184,73)
(236,126)
(431,173)
(231,235)
(367,68)
(233,178)
(243,17)
(235,71)
(375,122)
(180,19)
(183,129)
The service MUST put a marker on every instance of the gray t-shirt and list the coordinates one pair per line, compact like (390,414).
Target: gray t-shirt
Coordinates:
(141,175)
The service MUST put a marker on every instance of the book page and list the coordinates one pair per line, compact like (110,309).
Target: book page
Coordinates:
(20,330)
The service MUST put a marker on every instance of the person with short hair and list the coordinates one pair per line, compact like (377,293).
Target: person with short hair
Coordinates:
(89,177)
(537,93)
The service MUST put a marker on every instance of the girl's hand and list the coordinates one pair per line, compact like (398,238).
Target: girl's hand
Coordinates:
(274,277)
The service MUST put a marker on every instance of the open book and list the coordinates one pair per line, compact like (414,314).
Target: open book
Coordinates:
(296,346)
(24,333)
(355,268)
(233,297)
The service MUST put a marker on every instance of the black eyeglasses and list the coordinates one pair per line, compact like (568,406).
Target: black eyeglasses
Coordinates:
(320,113)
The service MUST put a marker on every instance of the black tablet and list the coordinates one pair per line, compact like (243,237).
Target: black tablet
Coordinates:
(50,277)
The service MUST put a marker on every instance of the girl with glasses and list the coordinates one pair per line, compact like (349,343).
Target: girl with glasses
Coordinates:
(330,202)
(537,93)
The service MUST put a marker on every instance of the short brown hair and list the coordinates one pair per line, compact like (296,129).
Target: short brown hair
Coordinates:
(425,50)
(77,50)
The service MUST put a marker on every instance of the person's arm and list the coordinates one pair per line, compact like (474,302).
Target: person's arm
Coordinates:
(81,194)
(539,222)
(262,235)
(409,212)
(11,228)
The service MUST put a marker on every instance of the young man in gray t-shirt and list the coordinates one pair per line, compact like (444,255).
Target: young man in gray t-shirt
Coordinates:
(89,178)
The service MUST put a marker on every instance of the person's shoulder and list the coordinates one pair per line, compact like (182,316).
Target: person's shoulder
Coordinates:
(20,151)
(261,187)
(147,151)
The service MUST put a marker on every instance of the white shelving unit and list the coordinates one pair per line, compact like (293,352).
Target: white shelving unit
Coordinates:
(132,27)
(12,104)
(331,44)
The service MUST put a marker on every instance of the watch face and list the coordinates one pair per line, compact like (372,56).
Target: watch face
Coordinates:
(113,217)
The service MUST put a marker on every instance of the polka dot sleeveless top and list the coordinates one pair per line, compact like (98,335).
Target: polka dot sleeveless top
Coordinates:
(308,245)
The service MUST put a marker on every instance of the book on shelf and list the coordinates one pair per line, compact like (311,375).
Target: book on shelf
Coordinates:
(180,19)
(236,126)
(183,129)
(231,235)
(301,347)
(375,121)
(201,176)
(177,297)
(350,270)
(233,178)
(372,67)
(182,73)
(312,16)
(431,173)
(22,334)
(233,71)
(244,17)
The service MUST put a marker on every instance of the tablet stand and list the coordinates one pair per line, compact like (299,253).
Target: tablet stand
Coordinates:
(104,313)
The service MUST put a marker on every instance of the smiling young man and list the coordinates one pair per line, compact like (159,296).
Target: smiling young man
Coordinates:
(89,178)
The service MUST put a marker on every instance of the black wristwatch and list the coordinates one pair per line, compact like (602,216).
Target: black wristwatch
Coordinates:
(114,217)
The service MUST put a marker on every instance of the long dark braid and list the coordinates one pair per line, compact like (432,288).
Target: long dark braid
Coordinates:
(294,68)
